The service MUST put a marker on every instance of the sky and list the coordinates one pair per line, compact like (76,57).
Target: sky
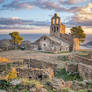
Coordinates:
(34,16)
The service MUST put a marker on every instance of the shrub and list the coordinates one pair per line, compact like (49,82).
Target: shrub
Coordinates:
(66,76)
(4,84)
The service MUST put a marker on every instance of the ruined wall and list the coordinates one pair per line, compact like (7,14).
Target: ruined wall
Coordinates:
(71,67)
(35,73)
(80,59)
(83,66)
(35,69)
(39,64)
(85,71)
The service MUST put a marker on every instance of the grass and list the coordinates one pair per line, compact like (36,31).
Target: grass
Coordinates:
(64,59)
(49,89)
(66,76)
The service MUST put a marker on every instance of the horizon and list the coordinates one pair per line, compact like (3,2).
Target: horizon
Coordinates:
(34,16)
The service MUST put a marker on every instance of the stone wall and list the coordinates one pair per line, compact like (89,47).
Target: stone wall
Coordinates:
(36,69)
(39,64)
(35,73)
(80,59)
(71,67)
(85,71)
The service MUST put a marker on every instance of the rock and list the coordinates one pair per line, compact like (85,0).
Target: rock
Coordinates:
(15,82)
(26,45)
(43,90)
(56,84)
(1,50)
(33,90)
(3,90)
(5,44)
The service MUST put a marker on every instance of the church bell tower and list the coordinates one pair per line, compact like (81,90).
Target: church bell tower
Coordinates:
(56,27)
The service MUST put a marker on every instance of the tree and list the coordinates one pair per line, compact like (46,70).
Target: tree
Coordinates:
(12,74)
(16,38)
(79,33)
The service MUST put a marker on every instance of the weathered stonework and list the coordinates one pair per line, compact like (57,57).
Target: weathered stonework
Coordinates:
(80,59)
(71,67)
(58,40)
(56,27)
(35,73)
(81,65)
(85,71)
(33,63)
(49,43)
(35,69)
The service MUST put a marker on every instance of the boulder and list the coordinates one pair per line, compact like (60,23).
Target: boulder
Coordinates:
(33,90)
(16,82)
(3,90)
(56,84)
(43,90)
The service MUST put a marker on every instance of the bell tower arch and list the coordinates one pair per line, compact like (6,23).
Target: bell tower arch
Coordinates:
(56,27)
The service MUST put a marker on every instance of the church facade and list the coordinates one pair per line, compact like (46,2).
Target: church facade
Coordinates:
(57,40)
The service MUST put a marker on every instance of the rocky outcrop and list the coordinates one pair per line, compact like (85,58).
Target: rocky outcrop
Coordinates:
(5,44)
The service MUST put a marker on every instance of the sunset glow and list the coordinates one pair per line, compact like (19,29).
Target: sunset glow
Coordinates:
(34,16)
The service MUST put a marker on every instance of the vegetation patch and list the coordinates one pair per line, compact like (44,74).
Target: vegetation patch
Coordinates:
(64,58)
(66,76)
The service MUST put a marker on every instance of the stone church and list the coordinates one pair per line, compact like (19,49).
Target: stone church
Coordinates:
(57,40)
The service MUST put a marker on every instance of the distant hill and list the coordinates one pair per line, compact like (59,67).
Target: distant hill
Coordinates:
(89,44)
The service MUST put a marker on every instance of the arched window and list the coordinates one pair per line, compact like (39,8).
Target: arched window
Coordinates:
(44,38)
(57,28)
(54,29)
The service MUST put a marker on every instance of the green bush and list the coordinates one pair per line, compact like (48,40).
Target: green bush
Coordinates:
(84,90)
(4,84)
(25,90)
(65,90)
(66,76)
(50,89)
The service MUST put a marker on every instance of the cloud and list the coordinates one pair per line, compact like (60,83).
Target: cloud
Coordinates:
(51,5)
(18,5)
(83,17)
(72,1)
(82,14)
(17,23)
(42,4)
(1,1)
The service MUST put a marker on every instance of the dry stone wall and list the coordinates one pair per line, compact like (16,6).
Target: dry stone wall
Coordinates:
(80,59)
(39,64)
(85,71)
